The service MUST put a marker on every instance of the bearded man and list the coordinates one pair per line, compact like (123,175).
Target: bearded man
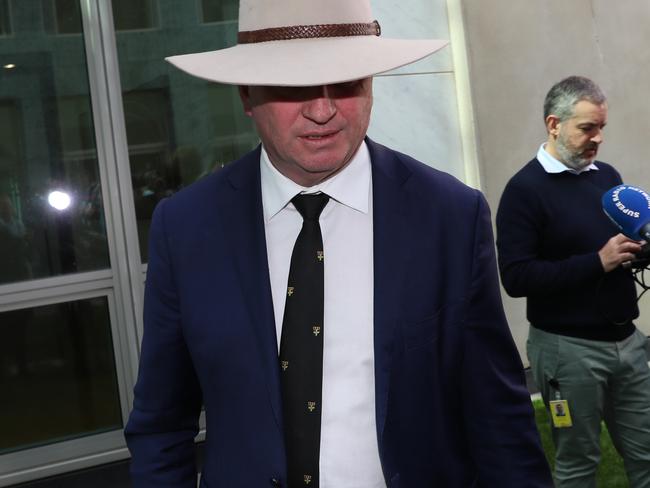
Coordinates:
(558,249)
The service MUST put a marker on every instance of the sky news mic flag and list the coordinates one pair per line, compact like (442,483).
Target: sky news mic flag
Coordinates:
(629,208)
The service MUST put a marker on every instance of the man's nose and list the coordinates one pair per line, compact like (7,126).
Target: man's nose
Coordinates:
(321,107)
(598,137)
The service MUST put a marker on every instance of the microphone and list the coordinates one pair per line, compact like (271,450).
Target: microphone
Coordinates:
(629,208)
(641,260)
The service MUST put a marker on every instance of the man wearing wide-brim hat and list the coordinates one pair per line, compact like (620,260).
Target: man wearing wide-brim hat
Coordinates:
(332,304)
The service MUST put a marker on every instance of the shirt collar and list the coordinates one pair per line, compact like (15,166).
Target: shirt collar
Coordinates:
(553,165)
(350,186)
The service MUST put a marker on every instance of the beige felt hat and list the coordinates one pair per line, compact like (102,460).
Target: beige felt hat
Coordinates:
(304,43)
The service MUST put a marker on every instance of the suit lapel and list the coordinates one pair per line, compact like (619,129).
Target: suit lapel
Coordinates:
(242,213)
(391,235)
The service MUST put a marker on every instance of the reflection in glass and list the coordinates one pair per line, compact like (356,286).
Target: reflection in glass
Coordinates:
(47,146)
(135,14)
(215,11)
(5,18)
(178,128)
(62,16)
(57,372)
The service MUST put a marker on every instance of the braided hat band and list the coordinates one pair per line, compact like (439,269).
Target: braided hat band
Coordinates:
(309,32)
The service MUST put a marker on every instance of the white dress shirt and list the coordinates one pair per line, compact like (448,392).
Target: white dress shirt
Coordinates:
(349,453)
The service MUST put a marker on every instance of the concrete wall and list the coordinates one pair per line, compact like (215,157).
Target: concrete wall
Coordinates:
(415,108)
(518,49)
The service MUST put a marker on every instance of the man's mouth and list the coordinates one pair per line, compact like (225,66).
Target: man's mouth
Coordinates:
(320,136)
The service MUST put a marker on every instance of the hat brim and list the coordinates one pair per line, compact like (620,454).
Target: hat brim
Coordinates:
(305,62)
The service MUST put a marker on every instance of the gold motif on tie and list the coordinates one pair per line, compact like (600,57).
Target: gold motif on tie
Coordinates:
(307,479)
(290,291)
(320,255)
(311,406)
(285,365)
(316,329)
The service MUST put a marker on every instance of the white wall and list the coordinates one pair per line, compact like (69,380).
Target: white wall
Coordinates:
(416,107)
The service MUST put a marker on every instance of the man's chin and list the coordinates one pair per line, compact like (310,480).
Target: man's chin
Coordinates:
(579,164)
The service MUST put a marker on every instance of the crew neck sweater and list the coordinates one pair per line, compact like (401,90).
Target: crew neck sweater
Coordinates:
(550,227)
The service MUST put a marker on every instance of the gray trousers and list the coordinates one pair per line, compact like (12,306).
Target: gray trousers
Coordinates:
(607,381)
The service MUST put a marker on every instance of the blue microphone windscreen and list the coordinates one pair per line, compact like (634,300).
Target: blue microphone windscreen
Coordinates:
(629,208)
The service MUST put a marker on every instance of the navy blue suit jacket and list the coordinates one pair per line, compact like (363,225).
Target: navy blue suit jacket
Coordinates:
(452,408)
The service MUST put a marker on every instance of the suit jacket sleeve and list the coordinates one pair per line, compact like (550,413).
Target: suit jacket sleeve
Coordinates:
(499,419)
(164,421)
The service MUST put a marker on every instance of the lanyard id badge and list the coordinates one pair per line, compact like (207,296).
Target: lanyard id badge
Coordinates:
(560,413)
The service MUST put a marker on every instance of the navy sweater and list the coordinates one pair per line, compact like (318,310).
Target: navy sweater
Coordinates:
(550,228)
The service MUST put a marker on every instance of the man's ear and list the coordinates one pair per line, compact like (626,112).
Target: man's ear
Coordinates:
(553,125)
(244,94)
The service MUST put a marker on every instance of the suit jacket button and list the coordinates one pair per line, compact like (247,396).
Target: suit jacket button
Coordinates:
(275,482)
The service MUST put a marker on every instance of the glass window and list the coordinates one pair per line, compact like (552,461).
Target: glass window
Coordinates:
(51,213)
(232,127)
(178,128)
(57,371)
(62,16)
(5,18)
(219,11)
(153,173)
(135,14)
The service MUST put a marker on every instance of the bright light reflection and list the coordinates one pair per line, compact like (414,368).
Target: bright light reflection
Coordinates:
(59,200)
(10,66)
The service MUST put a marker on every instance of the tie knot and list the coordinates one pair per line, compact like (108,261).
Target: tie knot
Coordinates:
(310,205)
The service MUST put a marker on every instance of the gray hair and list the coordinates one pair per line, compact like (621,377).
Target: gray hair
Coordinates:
(563,96)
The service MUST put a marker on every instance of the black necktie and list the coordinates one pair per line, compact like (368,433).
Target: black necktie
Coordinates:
(301,347)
